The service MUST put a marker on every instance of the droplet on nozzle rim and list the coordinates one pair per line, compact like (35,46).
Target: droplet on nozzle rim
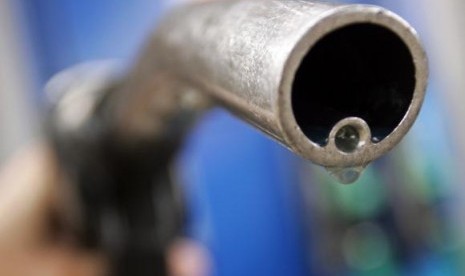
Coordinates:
(346,175)
(347,139)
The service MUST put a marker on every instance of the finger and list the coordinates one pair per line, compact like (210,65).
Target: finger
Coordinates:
(27,186)
(54,261)
(188,258)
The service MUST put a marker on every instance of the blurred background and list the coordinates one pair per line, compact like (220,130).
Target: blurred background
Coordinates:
(258,209)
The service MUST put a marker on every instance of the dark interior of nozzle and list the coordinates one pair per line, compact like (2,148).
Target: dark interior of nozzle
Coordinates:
(361,70)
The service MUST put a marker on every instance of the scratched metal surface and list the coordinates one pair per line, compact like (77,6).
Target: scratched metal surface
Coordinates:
(244,54)
(237,50)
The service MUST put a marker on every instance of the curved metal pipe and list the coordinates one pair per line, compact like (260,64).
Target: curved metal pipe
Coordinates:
(299,71)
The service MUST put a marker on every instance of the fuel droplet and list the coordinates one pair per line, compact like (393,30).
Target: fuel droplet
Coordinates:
(346,175)
(347,139)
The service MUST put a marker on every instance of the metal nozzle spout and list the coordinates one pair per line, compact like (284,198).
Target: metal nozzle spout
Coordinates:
(340,85)
(299,70)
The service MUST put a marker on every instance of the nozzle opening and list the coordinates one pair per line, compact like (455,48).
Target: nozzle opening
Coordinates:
(361,70)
